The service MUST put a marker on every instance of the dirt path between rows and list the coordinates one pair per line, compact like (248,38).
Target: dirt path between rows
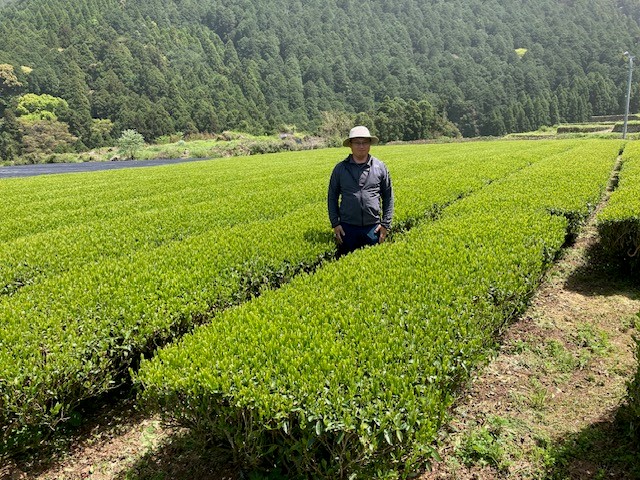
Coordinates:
(544,407)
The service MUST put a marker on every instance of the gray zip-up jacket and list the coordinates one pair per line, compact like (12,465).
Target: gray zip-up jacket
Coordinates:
(361,189)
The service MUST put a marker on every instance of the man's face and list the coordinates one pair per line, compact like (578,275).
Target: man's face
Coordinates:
(360,147)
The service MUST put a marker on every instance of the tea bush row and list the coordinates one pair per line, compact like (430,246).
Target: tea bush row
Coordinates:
(97,269)
(349,371)
(619,222)
(52,224)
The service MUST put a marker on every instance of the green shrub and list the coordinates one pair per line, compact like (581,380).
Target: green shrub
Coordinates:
(130,143)
(583,128)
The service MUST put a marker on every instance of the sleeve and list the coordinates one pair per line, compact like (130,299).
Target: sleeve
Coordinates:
(333,196)
(386,194)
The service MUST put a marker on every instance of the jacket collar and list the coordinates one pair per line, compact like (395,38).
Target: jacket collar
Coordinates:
(350,159)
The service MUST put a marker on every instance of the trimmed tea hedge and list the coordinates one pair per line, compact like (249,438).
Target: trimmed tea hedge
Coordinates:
(96,269)
(349,371)
(619,222)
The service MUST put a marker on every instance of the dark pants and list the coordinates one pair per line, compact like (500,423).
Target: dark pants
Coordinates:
(357,237)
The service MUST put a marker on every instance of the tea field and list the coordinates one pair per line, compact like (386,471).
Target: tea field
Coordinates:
(221,274)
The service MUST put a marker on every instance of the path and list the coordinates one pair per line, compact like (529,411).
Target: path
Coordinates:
(56,168)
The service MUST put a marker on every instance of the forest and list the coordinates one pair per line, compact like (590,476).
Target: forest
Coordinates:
(74,75)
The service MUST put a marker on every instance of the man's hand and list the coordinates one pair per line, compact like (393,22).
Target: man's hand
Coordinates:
(338,232)
(382,233)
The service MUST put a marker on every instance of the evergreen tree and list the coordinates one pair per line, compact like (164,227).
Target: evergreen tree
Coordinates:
(10,134)
(495,125)
(11,144)
(194,65)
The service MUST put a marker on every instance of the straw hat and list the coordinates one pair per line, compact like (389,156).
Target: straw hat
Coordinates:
(360,132)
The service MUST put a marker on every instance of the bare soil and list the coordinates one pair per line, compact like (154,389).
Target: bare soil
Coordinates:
(544,407)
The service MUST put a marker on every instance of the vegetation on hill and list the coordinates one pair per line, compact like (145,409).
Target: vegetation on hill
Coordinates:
(407,69)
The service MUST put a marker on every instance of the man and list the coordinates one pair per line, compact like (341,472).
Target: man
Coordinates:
(359,188)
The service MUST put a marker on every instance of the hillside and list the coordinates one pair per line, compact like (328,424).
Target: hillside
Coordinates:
(491,67)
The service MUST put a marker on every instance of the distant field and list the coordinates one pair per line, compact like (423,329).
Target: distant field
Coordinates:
(97,269)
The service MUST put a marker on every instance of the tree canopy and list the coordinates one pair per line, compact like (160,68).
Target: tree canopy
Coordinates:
(160,67)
